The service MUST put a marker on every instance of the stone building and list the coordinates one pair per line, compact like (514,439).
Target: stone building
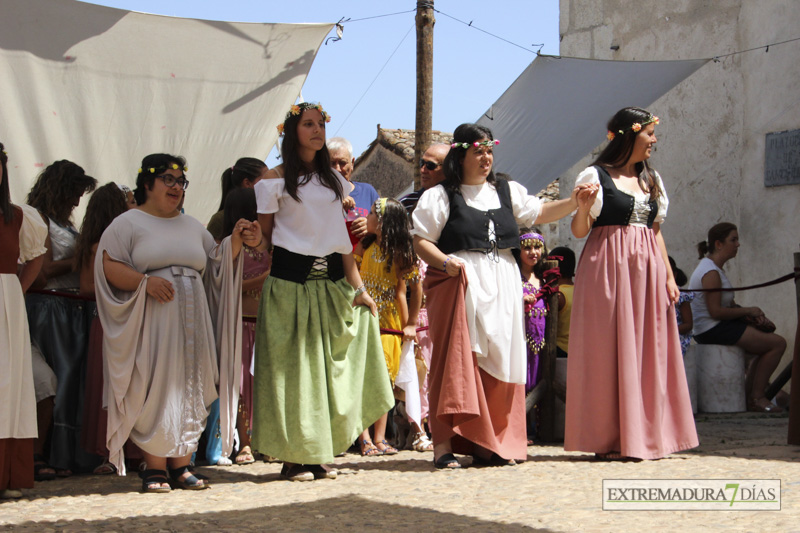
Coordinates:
(388,165)
(712,136)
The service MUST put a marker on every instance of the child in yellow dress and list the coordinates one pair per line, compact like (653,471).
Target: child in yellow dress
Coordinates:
(388,267)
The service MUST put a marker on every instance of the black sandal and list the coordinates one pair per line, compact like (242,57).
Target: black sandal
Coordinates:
(447,461)
(40,464)
(493,460)
(190,482)
(152,481)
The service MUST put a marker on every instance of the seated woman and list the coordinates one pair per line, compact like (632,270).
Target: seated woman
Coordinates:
(718,320)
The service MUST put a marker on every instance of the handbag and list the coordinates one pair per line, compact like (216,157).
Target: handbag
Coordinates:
(760,323)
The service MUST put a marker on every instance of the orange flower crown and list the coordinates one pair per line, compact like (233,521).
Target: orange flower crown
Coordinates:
(296,109)
(636,127)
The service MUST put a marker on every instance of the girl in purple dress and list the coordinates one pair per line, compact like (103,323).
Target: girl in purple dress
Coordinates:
(532,249)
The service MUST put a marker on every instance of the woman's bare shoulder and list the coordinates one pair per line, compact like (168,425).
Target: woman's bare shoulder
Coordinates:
(274,173)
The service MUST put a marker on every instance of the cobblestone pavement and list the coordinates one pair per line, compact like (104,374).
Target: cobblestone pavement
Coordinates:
(552,491)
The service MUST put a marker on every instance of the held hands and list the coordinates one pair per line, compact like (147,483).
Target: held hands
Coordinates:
(247,232)
(349,203)
(584,195)
(366,300)
(160,289)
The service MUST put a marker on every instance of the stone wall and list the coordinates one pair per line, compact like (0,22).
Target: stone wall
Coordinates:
(713,126)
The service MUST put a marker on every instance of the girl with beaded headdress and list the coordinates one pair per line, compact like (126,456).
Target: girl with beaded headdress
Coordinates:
(320,376)
(627,394)
(388,268)
(532,250)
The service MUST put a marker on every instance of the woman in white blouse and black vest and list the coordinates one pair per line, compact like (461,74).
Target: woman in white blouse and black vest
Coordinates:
(627,395)
(465,229)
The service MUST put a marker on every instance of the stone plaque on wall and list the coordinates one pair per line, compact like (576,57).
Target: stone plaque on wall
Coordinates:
(782,158)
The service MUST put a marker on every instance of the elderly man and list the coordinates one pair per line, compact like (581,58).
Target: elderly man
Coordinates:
(431,173)
(363,193)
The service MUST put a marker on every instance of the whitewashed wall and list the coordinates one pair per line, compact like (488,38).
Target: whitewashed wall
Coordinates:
(713,126)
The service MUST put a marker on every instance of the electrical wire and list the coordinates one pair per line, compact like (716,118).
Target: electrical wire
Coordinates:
(374,79)
(492,34)
(717,58)
(381,16)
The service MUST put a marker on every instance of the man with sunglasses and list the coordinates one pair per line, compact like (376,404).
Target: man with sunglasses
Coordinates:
(431,173)
(364,194)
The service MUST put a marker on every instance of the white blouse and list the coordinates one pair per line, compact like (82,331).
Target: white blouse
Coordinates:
(433,208)
(641,210)
(313,226)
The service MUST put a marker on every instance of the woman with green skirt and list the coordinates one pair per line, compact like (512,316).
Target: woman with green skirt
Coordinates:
(319,372)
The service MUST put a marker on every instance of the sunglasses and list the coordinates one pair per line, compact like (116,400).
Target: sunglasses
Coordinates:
(430,165)
(170,181)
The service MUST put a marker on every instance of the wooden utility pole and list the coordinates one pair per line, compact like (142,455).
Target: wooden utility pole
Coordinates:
(422,137)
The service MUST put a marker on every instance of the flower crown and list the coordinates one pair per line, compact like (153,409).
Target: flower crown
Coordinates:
(475,144)
(636,127)
(530,239)
(173,166)
(296,109)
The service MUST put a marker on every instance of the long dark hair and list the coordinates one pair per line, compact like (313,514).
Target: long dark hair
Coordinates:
(158,163)
(397,244)
(453,162)
(718,232)
(294,167)
(245,169)
(58,188)
(5,192)
(241,203)
(619,150)
(105,204)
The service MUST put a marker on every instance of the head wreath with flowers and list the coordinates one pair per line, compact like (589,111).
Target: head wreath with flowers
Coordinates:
(636,127)
(487,142)
(298,109)
(173,166)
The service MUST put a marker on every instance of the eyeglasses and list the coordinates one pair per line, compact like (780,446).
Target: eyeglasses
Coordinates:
(170,181)
(430,165)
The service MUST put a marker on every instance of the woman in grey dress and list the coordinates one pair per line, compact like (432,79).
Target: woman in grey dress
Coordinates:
(169,301)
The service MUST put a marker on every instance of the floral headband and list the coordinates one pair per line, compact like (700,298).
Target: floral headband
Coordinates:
(173,166)
(530,239)
(380,208)
(636,127)
(475,144)
(299,108)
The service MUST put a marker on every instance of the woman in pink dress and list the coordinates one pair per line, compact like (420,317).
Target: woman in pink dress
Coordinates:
(627,395)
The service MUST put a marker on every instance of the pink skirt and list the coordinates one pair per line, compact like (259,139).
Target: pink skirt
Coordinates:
(626,384)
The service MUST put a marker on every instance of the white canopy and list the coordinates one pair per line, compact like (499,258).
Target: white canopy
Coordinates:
(555,112)
(104,87)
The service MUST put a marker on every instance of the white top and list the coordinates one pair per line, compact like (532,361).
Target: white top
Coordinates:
(433,208)
(64,241)
(32,234)
(493,300)
(702,321)
(640,208)
(314,226)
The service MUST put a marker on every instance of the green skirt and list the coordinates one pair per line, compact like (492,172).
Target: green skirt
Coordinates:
(320,376)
